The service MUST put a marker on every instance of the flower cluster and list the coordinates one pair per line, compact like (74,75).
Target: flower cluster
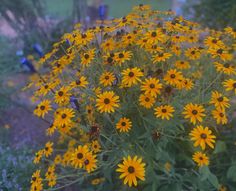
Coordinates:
(143,88)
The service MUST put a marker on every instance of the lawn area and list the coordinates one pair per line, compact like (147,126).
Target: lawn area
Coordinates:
(117,8)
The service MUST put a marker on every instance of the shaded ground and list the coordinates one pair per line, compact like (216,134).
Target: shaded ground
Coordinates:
(25,128)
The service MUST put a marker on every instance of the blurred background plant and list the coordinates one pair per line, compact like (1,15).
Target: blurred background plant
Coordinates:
(215,14)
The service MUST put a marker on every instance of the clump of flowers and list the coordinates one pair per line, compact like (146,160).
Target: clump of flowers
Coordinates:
(143,99)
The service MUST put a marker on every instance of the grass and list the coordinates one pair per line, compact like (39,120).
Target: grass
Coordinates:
(117,8)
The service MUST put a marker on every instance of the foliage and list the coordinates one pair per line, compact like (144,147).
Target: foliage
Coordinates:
(147,98)
(13,165)
(215,14)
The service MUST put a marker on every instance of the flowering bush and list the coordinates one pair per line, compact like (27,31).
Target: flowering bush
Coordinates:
(138,103)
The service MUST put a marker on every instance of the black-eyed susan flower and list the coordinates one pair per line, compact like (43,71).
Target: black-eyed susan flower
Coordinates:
(230,85)
(107,79)
(221,53)
(132,169)
(90,162)
(161,57)
(95,146)
(80,82)
(108,45)
(194,112)
(213,42)
(220,116)
(155,36)
(225,68)
(63,117)
(36,181)
(219,100)
(121,57)
(173,76)
(164,111)
(38,156)
(48,149)
(202,136)
(146,100)
(62,96)
(131,76)
(78,156)
(151,86)
(124,125)
(87,57)
(43,108)
(193,53)
(107,102)
(182,65)
(201,159)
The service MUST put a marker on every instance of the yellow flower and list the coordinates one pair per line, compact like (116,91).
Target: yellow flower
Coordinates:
(64,117)
(107,79)
(194,112)
(182,65)
(132,169)
(201,159)
(202,137)
(146,100)
(220,116)
(78,156)
(131,76)
(164,111)
(87,57)
(62,96)
(151,86)
(38,156)
(124,125)
(121,57)
(107,102)
(230,85)
(90,162)
(219,100)
(43,108)
(48,149)
(161,57)
(226,68)
(95,146)
(172,77)
(193,53)
(81,82)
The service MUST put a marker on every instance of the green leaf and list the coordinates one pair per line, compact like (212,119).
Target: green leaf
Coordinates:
(231,173)
(206,174)
(220,147)
(213,180)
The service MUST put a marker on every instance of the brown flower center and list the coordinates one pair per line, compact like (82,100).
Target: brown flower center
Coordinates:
(131,74)
(194,112)
(154,34)
(63,116)
(42,107)
(172,75)
(86,56)
(203,136)
(152,86)
(123,124)
(60,93)
(220,99)
(106,101)
(86,162)
(80,156)
(131,169)
(163,110)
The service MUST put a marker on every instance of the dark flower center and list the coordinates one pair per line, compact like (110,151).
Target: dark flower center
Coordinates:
(86,56)
(42,107)
(200,158)
(106,101)
(78,82)
(107,77)
(193,52)
(109,59)
(221,115)
(154,34)
(63,116)
(131,169)
(33,179)
(234,85)
(163,110)
(46,86)
(203,136)
(121,55)
(214,41)
(86,162)
(219,51)
(152,86)
(84,35)
(123,124)
(194,112)
(60,93)
(226,65)
(220,99)
(147,99)
(80,155)
(172,75)
(131,74)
